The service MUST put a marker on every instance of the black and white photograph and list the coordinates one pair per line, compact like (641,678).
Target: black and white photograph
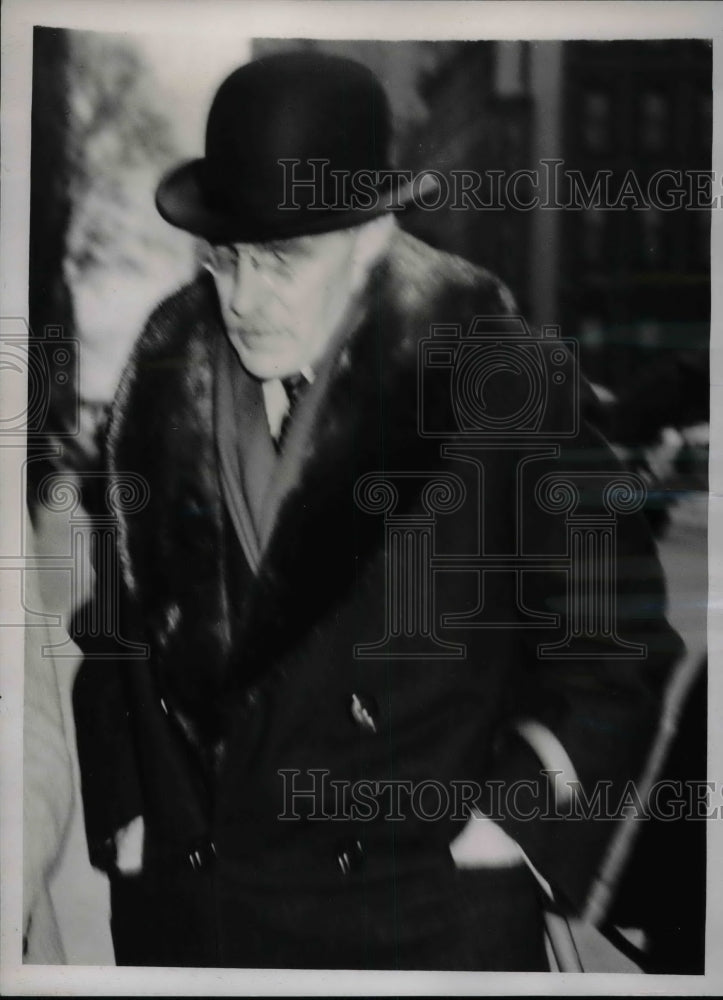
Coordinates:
(357,568)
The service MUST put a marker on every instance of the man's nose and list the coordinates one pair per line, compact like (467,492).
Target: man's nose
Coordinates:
(250,287)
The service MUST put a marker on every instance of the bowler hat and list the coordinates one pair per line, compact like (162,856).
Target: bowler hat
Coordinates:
(295,144)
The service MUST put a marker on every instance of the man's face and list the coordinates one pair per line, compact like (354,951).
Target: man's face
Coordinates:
(282,301)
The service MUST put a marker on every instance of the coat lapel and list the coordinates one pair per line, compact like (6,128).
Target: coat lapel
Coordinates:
(245,451)
(173,546)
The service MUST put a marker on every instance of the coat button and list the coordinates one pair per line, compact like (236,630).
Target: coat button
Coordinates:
(350,857)
(202,855)
(364,712)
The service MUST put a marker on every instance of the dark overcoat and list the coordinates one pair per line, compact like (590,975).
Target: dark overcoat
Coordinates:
(398,628)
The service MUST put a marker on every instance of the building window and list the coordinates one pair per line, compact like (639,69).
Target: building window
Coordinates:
(593,236)
(654,122)
(596,121)
(705,118)
(653,245)
(509,69)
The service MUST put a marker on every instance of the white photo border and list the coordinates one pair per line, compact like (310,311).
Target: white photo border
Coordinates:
(329,19)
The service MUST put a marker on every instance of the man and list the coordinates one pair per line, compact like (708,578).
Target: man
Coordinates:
(264,786)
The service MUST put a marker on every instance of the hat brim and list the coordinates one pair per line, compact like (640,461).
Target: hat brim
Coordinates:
(182,202)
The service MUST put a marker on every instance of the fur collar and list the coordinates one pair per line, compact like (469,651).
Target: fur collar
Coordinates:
(175,552)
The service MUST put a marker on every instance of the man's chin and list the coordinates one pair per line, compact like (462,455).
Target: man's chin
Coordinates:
(259,362)
(265,366)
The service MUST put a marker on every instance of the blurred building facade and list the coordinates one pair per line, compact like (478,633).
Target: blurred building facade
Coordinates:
(627,283)
(635,283)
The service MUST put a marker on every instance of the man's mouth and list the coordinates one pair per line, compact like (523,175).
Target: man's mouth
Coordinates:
(259,338)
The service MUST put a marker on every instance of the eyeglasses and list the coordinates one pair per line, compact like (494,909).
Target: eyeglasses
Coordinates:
(276,258)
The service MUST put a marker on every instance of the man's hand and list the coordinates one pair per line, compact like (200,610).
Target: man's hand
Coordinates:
(483,843)
(129,847)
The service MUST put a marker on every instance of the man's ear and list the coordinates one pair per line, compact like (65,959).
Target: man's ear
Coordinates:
(372,239)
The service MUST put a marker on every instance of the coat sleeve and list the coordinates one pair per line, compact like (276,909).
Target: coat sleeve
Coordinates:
(596,682)
(107,757)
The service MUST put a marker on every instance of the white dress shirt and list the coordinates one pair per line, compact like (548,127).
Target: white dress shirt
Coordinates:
(276,401)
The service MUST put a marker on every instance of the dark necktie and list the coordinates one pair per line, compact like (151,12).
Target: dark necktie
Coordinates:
(294,387)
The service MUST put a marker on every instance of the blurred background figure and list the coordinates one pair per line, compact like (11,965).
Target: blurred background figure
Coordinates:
(48,782)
